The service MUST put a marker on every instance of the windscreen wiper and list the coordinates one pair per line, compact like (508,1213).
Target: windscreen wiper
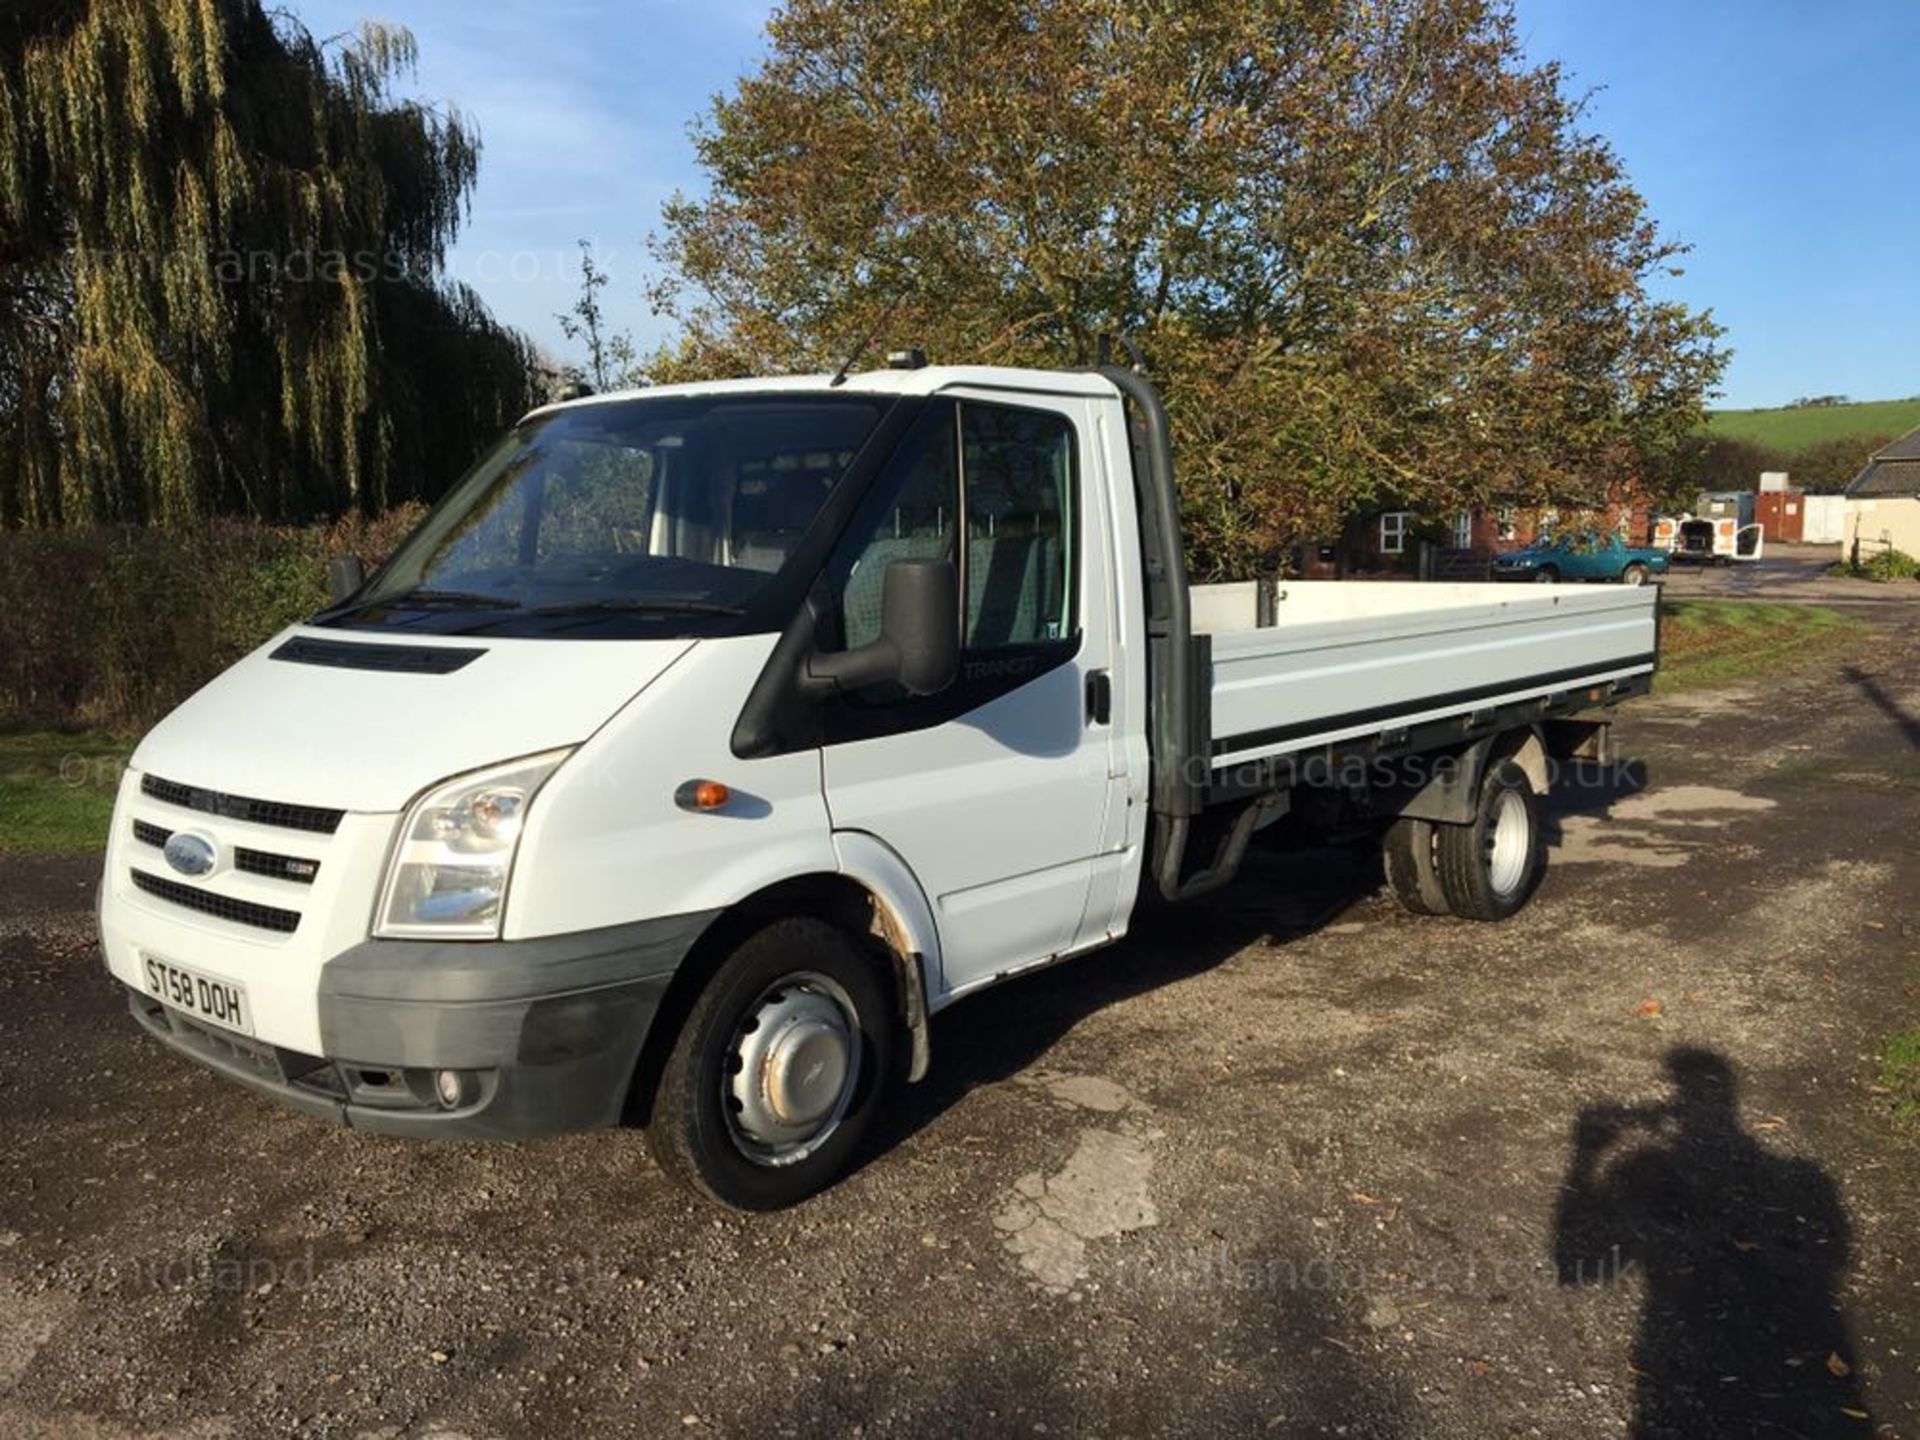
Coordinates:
(425,598)
(450,600)
(663,604)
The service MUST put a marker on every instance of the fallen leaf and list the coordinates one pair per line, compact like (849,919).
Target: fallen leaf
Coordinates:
(1740,1244)
(1772,1122)
(1837,1367)
(1856,1414)
(1649,1006)
(1360,1197)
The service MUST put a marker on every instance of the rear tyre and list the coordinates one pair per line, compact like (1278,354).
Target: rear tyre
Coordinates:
(1546,575)
(1634,574)
(776,1077)
(1413,871)
(1491,866)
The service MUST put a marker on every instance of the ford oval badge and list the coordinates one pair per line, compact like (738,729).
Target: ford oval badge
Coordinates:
(191,855)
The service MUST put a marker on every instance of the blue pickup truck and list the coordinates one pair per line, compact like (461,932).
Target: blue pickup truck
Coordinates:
(1591,556)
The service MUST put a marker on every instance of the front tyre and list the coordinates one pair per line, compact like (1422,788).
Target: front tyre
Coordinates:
(779,1070)
(1546,575)
(1634,574)
(1490,866)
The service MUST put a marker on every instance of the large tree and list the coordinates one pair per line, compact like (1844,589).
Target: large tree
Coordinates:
(221,257)
(1366,247)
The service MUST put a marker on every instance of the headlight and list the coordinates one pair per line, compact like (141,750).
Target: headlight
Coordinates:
(448,875)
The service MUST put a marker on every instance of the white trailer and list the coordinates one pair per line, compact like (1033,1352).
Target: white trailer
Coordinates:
(704,741)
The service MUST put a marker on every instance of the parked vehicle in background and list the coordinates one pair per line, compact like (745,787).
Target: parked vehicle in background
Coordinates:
(704,741)
(1719,540)
(1590,555)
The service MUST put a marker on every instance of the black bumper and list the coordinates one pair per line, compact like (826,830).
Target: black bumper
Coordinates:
(544,1034)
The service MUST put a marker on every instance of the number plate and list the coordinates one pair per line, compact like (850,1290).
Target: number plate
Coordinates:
(196,993)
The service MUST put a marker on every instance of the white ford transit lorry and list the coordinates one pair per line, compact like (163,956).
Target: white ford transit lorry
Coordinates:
(703,741)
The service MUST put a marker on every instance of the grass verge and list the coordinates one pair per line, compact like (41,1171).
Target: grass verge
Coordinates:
(1718,642)
(56,790)
(1900,1072)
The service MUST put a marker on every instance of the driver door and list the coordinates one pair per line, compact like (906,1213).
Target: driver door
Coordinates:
(996,791)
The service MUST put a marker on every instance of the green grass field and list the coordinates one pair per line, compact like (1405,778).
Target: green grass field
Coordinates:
(56,790)
(1794,430)
(1717,642)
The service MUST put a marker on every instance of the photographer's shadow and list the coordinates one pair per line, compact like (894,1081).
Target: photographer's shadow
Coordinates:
(1740,1252)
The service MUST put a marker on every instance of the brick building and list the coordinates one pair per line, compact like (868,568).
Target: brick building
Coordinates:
(1387,541)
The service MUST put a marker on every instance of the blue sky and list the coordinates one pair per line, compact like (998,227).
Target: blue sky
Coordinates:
(1779,137)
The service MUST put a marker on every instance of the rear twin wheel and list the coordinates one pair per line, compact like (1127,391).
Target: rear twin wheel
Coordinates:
(1485,869)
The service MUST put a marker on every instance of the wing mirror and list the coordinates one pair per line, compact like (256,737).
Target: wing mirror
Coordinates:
(919,643)
(345,575)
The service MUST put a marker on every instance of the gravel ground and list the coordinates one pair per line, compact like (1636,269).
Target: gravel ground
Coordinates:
(1293,1163)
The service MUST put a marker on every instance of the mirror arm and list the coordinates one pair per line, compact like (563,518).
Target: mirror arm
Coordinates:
(832,672)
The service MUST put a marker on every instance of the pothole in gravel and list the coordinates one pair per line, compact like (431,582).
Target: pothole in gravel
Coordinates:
(1671,825)
(1049,1221)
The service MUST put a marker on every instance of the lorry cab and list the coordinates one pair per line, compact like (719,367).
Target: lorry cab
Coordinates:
(702,741)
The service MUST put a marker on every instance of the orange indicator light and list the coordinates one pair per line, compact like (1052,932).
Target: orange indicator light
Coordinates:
(701,795)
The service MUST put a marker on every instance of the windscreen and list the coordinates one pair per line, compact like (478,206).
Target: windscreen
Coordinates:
(652,508)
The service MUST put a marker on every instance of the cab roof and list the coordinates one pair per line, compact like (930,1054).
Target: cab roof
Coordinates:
(926,380)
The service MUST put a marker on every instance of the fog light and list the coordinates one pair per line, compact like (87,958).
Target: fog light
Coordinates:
(451,1087)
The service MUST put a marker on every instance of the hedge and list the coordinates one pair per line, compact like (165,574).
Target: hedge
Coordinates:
(111,627)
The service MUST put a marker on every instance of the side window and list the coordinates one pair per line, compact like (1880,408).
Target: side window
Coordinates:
(921,495)
(1018,467)
(1010,473)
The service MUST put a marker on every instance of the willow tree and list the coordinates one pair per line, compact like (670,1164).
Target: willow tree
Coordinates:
(222,245)
(1365,246)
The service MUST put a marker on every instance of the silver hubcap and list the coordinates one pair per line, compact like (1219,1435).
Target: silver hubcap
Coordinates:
(791,1071)
(1636,575)
(1507,843)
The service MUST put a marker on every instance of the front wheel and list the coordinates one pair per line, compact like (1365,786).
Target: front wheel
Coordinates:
(1634,574)
(1546,575)
(1490,866)
(779,1071)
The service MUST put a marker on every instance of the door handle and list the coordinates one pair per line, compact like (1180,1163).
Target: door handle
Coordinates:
(1099,697)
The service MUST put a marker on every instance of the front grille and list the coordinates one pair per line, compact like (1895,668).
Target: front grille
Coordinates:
(239,807)
(299,870)
(276,867)
(222,907)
